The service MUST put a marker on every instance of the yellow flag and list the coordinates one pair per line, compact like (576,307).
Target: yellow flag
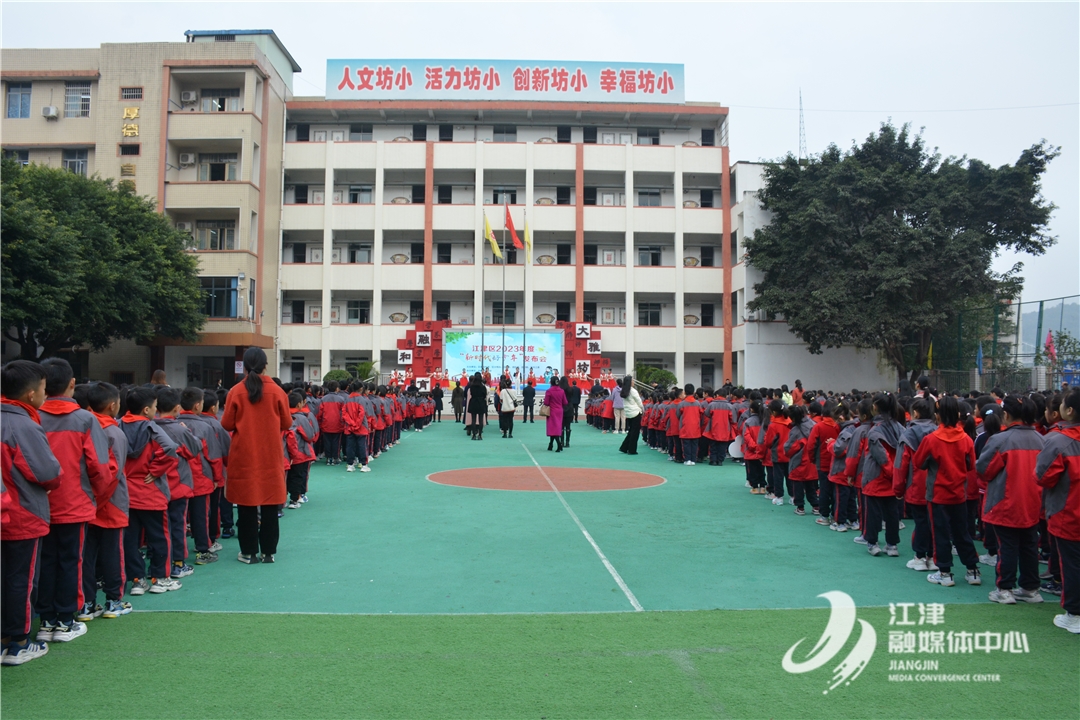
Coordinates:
(528,243)
(490,237)
(930,357)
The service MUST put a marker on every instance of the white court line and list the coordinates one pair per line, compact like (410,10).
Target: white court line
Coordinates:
(610,568)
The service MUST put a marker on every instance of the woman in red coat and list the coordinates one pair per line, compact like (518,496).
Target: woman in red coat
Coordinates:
(256,413)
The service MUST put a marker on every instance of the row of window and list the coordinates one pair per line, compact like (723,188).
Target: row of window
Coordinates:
(364,194)
(76,98)
(221,296)
(358,312)
(500,133)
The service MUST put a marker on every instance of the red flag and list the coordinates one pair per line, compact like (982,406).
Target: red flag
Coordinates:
(513,233)
(1051,351)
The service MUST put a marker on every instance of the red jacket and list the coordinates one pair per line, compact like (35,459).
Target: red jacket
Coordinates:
(819,447)
(948,456)
(909,482)
(203,472)
(1058,471)
(151,453)
(186,477)
(296,442)
(257,455)
(112,511)
(690,418)
(752,449)
(803,465)
(720,421)
(30,471)
(354,417)
(82,448)
(329,413)
(671,419)
(1006,470)
(775,439)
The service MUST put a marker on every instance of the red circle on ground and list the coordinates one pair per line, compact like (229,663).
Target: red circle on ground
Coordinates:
(531,479)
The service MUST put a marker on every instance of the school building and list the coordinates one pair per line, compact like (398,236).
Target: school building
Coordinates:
(330,228)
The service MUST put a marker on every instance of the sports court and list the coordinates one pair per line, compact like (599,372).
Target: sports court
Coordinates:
(403,593)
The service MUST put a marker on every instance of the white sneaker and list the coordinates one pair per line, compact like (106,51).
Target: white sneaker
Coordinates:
(917,563)
(838,527)
(15,655)
(940,578)
(902,525)
(972,577)
(778,501)
(891,550)
(1005,597)
(688,463)
(1028,596)
(365,468)
(1069,622)
(350,468)
(988,559)
(163,585)
(293,506)
(874,549)
(860,540)
(67,633)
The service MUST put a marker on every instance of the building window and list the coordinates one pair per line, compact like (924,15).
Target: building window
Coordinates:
(217,167)
(649,314)
(220,296)
(708,314)
(360,195)
(445,194)
(251,299)
(131,93)
(300,194)
(562,312)
(418,195)
(708,137)
(215,235)
(562,195)
(649,256)
(648,198)
(588,311)
(562,134)
(419,133)
(360,133)
(358,312)
(20,156)
(416,252)
(504,195)
(504,133)
(224,38)
(130,149)
(589,135)
(497,314)
(708,258)
(590,196)
(76,99)
(444,253)
(706,198)
(446,133)
(220,99)
(590,254)
(510,253)
(648,136)
(303,133)
(18,100)
(299,252)
(75,161)
(562,254)
(416,311)
(442,310)
(359,253)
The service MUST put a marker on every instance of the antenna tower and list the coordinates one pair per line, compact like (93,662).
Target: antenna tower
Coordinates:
(802,133)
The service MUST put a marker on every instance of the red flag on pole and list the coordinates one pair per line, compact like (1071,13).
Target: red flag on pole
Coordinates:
(1051,351)
(513,232)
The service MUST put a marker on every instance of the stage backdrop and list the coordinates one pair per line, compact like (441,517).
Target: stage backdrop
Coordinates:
(540,352)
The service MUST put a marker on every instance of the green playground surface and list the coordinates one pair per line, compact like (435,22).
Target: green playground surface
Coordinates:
(393,596)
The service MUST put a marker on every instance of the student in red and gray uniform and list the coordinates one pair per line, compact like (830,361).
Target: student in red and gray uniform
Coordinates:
(909,482)
(689,417)
(208,477)
(776,435)
(753,452)
(151,459)
(720,428)
(104,548)
(182,480)
(1058,472)
(819,447)
(1013,501)
(30,471)
(299,450)
(221,510)
(82,448)
(671,426)
(883,441)
(948,456)
(845,499)
(355,418)
(802,466)
(330,422)
(309,431)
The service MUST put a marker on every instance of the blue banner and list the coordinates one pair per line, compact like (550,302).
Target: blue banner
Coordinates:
(528,80)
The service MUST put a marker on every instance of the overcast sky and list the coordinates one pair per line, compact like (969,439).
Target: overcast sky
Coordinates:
(984,80)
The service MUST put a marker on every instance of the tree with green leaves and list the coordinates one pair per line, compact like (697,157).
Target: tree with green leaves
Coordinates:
(85,263)
(880,246)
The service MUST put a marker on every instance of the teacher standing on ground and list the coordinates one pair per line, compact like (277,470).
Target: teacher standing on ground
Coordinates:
(257,412)
(633,408)
(555,401)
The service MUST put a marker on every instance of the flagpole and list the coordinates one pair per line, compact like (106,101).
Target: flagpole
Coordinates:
(503,361)
(483,277)
(524,298)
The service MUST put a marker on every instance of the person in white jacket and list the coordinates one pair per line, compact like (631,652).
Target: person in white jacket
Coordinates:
(633,407)
(508,402)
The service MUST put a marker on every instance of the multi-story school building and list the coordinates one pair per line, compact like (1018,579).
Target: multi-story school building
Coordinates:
(329,229)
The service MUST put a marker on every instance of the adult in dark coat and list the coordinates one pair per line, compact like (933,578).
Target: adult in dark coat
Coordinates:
(528,399)
(437,396)
(573,397)
(457,401)
(477,406)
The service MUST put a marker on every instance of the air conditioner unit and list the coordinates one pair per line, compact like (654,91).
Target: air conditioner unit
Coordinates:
(50,112)
(184,226)
(187,158)
(189,96)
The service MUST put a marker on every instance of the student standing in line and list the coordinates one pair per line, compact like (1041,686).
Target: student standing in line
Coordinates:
(803,469)
(25,503)
(184,482)
(753,452)
(82,448)
(775,437)
(257,412)
(819,446)
(948,456)
(689,419)
(221,511)
(845,505)
(355,421)
(909,482)
(331,423)
(883,441)
(206,474)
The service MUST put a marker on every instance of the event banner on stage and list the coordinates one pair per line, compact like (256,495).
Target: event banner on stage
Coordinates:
(532,80)
(536,352)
